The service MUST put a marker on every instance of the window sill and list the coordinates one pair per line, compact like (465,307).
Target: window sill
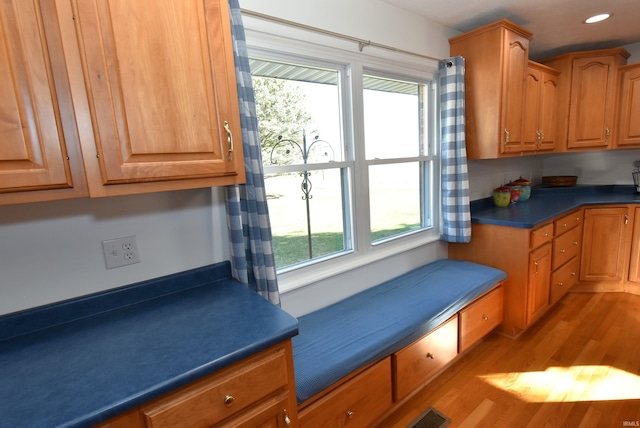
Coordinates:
(307,275)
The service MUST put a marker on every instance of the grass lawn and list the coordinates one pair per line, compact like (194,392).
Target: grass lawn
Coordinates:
(287,210)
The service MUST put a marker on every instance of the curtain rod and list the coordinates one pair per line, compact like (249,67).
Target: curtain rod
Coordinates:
(361,42)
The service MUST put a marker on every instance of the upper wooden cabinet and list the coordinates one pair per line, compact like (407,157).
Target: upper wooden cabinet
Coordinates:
(160,91)
(628,109)
(587,96)
(111,97)
(496,61)
(541,89)
(35,121)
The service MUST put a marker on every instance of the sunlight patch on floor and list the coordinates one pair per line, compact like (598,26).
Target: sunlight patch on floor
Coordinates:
(562,384)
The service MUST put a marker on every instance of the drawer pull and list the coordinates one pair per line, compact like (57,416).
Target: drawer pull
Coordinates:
(228,400)
(560,284)
(564,225)
(349,414)
(546,235)
(485,317)
(431,356)
(287,420)
(563,251)
(575,242)
(573,274)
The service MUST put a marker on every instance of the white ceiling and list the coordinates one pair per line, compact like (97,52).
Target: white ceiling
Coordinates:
(556,24)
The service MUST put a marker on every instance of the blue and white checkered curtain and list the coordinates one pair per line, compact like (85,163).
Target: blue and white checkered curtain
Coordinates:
(456,220)
(252,258)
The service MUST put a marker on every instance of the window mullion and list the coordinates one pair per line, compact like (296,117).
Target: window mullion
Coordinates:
(362,222)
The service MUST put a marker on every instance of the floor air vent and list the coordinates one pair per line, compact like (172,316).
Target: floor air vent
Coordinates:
(431,418)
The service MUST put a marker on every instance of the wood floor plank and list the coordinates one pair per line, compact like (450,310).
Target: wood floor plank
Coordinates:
(578,366)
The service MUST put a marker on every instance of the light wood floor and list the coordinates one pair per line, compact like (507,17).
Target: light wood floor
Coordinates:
(578,366)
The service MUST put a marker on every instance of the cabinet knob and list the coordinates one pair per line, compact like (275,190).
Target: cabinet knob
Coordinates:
(485,317)
(431,356)
(564,225)
(575,242)
(228,400)
(563,251)
(349,414)
(560,284)
(287,420)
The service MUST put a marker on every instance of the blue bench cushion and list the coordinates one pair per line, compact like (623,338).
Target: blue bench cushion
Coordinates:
(345,336)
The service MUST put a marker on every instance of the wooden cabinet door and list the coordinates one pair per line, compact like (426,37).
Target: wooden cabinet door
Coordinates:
(605,243)
(33,153)
(539,282)
(538,126)
(628,129)
(634,261)
(161,90)
(593,93)
(514,65)
(548,109)
(532,108)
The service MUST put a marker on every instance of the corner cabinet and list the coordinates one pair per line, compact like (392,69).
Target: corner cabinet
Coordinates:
(39,153)
(587,97)
(496,61)
(111,97)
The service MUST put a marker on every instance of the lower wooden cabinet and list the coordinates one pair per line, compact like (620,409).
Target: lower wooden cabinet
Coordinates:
(539,283)
(256,392)
(414,364)
(357,403)
(480,317)
(607,231)
(532,259)
(634,263)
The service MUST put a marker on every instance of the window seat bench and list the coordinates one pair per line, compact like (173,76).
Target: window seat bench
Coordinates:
(359,356)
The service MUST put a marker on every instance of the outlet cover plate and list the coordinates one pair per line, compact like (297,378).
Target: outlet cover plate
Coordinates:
(121,251)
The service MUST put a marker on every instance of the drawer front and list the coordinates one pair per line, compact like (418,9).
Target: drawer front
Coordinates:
(568,222)
(541,235)
(566,247)
(479,318)
(564,278)
(222,395)
(357,403)
(416,363)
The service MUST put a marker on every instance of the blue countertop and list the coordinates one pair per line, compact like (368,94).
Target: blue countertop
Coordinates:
(547,203)
(84,361)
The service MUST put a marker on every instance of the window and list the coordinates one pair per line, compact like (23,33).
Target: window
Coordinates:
(348,148)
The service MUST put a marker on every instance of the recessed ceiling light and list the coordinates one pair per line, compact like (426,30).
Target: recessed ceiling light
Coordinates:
(597,18)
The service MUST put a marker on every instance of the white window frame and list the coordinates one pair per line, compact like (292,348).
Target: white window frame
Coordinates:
(276,41)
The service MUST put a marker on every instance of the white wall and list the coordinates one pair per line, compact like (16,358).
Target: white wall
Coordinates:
(52,251)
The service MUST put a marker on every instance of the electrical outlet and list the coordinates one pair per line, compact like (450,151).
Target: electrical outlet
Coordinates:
(121,251)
